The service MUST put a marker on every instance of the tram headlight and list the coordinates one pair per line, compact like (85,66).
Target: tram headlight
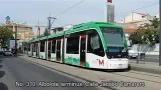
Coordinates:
(124,50)
(109,57)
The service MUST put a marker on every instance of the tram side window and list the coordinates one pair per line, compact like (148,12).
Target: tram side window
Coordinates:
(29,47)
(42,46)
(32,47)
(73,45)
(58,45)
(94,44)
(53,46)
(36,47)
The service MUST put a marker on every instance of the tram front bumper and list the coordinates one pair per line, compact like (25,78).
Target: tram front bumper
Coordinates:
(118,64)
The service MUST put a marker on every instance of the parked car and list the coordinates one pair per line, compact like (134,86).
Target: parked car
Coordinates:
(7,53)
(1,52)
(132,53)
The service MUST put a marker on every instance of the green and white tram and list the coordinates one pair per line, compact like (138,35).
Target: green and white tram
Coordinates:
(93,45)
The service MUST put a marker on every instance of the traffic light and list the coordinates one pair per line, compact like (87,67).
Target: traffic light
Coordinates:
(109,1)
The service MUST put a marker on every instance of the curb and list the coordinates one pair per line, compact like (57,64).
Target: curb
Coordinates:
(66,73)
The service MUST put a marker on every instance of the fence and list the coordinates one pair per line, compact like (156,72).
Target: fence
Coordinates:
(146,53)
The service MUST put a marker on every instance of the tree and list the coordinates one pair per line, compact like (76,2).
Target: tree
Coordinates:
(46,32)
(5,34)
(147,33)
(155,23)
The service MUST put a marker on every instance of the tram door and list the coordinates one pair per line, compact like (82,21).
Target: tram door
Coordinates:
(49,49)
(32,49)
(58,50)
(37,49)
(83,50)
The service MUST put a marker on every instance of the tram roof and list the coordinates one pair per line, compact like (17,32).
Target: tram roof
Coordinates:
(56,34)
(79,27)
(31,40)
(85,26)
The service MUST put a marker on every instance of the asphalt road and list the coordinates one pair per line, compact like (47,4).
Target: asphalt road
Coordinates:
(17,74)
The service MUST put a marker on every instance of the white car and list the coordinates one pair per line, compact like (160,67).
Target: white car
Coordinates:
(132,53)
(7,53)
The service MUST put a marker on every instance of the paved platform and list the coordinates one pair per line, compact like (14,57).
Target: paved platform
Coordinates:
(143,66)
(150,67)
(152,81)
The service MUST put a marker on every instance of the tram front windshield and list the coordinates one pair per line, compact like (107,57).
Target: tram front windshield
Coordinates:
(114,38)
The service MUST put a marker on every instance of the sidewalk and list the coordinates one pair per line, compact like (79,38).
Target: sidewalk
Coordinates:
(99,76)
(150,67)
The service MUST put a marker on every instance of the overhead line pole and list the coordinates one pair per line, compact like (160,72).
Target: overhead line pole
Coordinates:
(38,31)
(50,23)
(16,40)
(49,29)
(160,34)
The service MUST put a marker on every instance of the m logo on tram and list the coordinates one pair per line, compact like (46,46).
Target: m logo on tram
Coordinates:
(101,62)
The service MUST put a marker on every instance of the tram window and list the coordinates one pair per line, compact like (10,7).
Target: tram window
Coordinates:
(32,47)
(58,45)
(25,48)
(53,46)
(73,45)
(35,47)
(94,44)
(42,46)
(29,47)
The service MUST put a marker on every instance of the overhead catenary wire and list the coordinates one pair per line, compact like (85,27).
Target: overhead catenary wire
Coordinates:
(67,9)
(143,7)
(70,8)
(121,13)
(138,8)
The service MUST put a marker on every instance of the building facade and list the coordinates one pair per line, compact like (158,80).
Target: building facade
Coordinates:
(136,17)
(157,15)
(131,22)
(24,32)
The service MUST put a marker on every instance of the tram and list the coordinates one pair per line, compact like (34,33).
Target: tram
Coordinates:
(97,45)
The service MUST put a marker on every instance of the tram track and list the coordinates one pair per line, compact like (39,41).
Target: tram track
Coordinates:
(138,73)
(145,74)
(138,77)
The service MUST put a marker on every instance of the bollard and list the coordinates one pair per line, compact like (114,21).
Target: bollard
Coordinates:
(138,58)
(142,56)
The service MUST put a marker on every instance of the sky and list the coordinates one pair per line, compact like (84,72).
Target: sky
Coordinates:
(32,11)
